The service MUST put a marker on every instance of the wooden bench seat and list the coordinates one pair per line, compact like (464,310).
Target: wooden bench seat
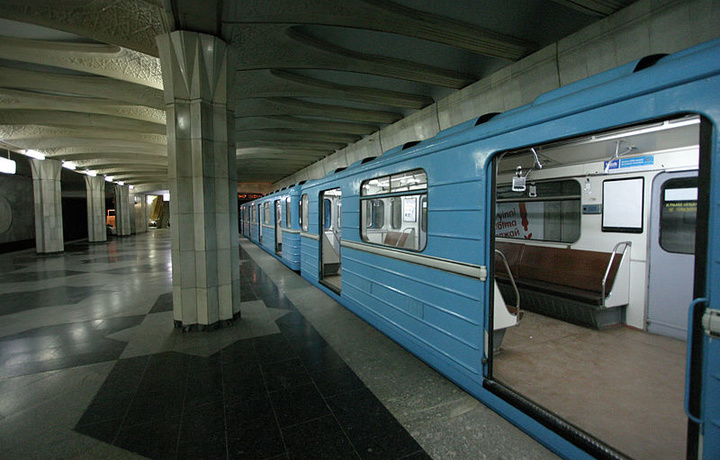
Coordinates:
(559,282)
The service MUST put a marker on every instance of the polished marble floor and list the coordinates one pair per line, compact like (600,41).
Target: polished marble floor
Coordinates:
(92,367)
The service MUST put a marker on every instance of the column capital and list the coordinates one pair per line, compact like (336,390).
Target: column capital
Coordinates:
(46,169)
(194,66)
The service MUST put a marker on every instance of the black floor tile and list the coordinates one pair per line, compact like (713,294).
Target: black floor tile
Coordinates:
(320,439)
(137,269)
(112,325)
(298,405)
(374,432)
(167,366)
(157,439)
(37,276)
(202,433)
(252,431)
(158,399)
(201,364)
(317,355)
(332,382)
(163,303)
(237,388)
(15,302)
(240,351)
(283,375)
(271,348)
(297,329)
(103,431)
(203,389)
(419,455)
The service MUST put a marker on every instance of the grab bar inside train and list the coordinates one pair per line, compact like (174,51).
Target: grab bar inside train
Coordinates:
(512,281)
(626,245)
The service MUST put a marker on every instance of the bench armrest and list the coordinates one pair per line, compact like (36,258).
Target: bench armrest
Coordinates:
(625,246)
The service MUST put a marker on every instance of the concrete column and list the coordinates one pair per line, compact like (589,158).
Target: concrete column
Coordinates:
(122,210)
(97,230)
(48,206)
(203,179)
(141,220)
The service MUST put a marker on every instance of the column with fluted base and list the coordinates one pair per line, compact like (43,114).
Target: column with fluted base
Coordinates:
(97,221)
(203,179)
(122,210)
(48,206)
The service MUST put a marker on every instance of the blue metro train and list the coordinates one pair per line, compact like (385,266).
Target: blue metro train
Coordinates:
(581,228)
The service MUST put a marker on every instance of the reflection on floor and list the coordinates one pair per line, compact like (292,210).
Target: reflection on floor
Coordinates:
(624,386)
(92,367)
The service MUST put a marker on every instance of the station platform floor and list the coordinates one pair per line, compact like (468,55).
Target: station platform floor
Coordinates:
(92,367)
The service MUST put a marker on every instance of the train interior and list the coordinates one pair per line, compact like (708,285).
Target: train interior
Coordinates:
(331,211)
(394,210)
(594,240)
(278,228)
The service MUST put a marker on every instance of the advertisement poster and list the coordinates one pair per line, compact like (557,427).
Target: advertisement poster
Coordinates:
(409,209)
(520,220)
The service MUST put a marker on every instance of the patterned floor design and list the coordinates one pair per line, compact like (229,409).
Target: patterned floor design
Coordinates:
(92,367)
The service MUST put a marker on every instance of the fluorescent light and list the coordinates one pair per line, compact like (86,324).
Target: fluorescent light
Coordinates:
(7,166)
(131,186)
(91,173)
(69,165)
(120,182)
(166,196)
(109,178)
(33,154)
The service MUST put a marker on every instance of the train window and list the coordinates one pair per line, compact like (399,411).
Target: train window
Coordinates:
(304,212)
(678,214)
(374,214)
(547,211)
(327,214)
(287,212)
(404,196)
(396,206)
(411,180)
(252,214)
(266,213)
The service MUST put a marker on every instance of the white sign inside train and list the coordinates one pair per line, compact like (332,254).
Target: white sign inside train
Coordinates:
(620,164)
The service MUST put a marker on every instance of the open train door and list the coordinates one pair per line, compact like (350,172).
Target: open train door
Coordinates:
(703,364)
(331,238)
(278,228)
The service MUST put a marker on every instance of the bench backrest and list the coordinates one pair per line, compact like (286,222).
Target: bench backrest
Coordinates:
(574,268)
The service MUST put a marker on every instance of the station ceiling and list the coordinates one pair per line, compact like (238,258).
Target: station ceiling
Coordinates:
(80,80)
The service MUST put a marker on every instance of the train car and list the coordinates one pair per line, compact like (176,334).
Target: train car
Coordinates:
(593,209)
(279,232)
(244,216)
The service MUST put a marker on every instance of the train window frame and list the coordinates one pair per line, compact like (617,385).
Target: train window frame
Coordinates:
(566,199)
(403,197)
(304,212)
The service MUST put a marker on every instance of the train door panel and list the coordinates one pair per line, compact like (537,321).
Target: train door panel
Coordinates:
(278,227)
(672,253)
(331,238)
(260,223)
